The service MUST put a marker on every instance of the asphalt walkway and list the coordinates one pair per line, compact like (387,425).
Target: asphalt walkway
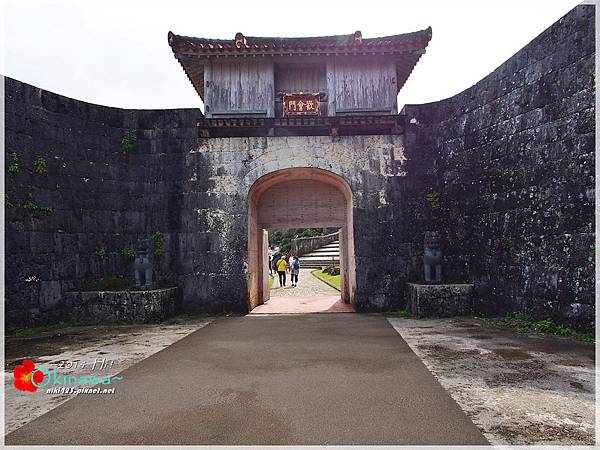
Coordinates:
(286,379)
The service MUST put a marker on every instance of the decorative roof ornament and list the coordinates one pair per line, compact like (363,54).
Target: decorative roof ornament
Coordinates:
(240,40)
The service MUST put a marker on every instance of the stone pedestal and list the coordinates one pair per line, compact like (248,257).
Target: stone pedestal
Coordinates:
(440,300)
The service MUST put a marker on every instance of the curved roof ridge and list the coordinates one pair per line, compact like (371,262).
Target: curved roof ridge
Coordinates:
(179,42)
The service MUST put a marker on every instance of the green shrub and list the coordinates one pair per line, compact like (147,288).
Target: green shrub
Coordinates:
(332,270)
(129,252)
(523,316)
(548,326)
(39,166)
(13,167)
(128,141)
(157,237)
(433,198)
(30,205)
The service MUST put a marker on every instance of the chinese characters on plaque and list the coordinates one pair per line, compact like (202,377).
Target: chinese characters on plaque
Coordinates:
(301,104)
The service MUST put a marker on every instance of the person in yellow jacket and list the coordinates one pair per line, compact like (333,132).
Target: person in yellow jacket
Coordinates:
(281,267)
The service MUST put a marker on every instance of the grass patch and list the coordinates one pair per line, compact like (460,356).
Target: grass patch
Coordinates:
(404,312)
(271,280)
(332,280)
(523,322)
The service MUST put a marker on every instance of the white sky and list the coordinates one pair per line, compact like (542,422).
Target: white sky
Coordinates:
(116,53)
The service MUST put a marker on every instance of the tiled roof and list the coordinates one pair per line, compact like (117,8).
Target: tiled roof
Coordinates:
(406,49)
(346,43)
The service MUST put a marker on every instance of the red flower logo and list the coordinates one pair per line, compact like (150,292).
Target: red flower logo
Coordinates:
(26,375)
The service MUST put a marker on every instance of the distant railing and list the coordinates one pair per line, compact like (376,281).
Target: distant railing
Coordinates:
(302,246)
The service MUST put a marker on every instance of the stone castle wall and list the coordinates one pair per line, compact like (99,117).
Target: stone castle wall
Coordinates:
(509,163)
(505,170)
(92,199)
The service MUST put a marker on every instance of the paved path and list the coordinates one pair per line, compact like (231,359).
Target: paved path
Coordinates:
(308,286)
(310,296)
(309,379)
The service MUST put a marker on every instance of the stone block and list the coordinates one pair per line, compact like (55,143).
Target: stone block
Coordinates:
(50,294)
(120,306)
(440,300)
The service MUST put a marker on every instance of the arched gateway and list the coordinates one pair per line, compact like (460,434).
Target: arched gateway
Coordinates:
(297,198)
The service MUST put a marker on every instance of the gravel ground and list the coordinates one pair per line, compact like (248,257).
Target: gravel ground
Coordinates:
(308,286)
(518,389)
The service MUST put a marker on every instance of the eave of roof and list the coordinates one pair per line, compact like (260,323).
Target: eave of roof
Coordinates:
(345,44)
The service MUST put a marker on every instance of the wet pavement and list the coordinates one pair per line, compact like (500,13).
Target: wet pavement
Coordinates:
(519,389)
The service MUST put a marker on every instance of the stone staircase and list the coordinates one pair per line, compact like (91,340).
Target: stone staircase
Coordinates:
(321,257)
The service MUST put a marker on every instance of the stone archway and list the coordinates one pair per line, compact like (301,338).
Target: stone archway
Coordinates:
(298,198)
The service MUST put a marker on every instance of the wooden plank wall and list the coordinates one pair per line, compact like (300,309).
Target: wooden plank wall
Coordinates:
(249,87)
(365,86)
(240,87)
(309,78)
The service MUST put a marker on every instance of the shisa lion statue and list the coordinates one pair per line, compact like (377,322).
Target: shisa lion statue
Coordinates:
(142,266)
(432,257)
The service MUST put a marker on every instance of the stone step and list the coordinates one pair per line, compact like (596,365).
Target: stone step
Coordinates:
(317,263)
(314,266)
(326,250)
(320,257)
(325,255)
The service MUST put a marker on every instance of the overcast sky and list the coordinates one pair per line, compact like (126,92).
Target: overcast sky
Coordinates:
(116,53)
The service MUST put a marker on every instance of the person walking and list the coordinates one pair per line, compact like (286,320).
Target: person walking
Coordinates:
(295,265)
(281,267)
(274,263)
(271,262)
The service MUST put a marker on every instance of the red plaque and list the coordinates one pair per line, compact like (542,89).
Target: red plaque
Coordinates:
(301,104)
